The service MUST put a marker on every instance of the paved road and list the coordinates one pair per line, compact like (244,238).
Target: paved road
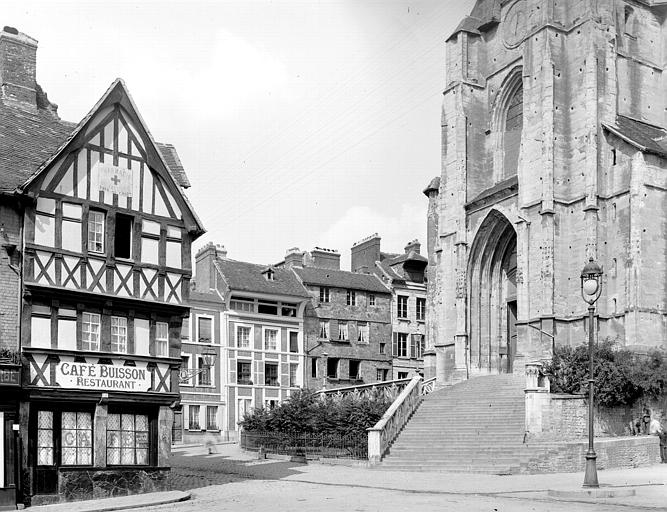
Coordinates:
(235,481)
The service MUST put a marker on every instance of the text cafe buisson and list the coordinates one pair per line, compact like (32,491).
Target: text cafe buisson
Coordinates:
(95,417)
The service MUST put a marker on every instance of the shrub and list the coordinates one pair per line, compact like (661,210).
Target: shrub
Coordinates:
(621,376)
(307,412)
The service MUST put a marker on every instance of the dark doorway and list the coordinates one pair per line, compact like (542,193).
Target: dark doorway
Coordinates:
(8,461)
(123,237)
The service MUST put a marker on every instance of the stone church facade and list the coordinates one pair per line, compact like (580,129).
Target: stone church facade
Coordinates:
(553,151)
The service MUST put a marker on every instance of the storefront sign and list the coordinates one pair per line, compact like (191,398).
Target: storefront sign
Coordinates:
(10,376)
(103,376)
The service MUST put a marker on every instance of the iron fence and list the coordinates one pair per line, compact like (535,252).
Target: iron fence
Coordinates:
(311,446)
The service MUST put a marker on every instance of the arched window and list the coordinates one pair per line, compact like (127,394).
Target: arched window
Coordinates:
(512,132)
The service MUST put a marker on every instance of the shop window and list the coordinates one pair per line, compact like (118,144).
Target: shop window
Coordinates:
(270,339)
(71,227)
(95,231)
(127,439)
(324,328)
(204,377)
(351,298)
(354,369)
(123,237)
(270,374)
(45,438)
(421,309)
(293,368)
(161,339)
(119,334)
(362,332)
(294,342)
(90,331)
(244,373)
(211,417)
(332,367)
(402,306)
(45,221)
(204,329)
(324,293)
(77,439)
(243,336)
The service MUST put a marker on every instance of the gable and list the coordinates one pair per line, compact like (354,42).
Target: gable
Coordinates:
(111,158)
(111,167)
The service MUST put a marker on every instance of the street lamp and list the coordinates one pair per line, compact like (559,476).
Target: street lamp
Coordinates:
(591,288)
(209,356)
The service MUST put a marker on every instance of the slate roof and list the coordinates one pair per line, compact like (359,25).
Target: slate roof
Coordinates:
(341,279)
(198,296)
(249,277)
(646,137)
(387,264)
(485,14)
(28,138)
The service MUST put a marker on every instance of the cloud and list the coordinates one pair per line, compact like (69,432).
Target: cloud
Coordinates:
(407,222)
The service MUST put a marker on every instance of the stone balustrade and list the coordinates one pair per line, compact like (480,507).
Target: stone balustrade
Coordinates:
(383,433)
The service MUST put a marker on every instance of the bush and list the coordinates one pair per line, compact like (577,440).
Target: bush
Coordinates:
(307,412)
(621,376)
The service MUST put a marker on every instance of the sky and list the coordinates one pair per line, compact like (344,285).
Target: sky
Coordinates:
(299,123)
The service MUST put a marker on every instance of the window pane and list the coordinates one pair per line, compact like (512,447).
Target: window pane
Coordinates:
(149,250)
(95,231)
(71,235)
(205,330)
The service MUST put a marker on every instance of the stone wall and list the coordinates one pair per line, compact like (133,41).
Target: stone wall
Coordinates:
(617,452)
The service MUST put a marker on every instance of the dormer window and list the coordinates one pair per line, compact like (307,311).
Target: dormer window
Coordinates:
(269,274)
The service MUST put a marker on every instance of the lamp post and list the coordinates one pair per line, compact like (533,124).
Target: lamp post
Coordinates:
(209,355)
(591,288)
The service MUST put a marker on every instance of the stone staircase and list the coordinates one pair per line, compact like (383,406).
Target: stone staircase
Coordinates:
(475,426)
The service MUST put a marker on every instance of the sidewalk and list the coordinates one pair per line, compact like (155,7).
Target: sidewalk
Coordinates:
(650,483)
(119,503)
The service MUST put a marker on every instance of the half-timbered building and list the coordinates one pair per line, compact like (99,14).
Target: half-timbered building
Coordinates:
(103,238)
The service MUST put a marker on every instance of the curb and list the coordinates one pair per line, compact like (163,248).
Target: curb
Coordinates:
(87,505)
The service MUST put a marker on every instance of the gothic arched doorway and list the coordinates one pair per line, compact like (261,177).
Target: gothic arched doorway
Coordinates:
(492,310)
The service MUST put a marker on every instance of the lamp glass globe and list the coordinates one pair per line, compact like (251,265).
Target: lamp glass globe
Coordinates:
(590,286)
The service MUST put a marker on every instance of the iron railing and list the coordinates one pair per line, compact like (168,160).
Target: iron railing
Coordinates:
(308,445)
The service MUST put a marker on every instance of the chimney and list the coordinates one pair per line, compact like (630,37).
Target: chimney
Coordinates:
(18,62)
(413,246)
(325,258)
(365,253)
(293,258)
(204,268)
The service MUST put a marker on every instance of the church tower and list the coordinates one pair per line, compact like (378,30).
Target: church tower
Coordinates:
(553,150)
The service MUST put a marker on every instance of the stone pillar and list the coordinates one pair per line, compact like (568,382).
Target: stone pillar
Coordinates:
(165,422)
(100,436)
(537,398)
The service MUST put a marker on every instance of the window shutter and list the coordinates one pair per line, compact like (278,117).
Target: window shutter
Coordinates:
(333,329)
(394,345)
(413,346)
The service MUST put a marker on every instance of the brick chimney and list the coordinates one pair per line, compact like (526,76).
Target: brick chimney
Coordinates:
(293,258)
(325,258)
(365,253)
(18,62)
(204,269)
(413,246)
